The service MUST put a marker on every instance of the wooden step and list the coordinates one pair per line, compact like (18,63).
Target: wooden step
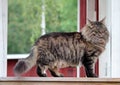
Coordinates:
(58,81)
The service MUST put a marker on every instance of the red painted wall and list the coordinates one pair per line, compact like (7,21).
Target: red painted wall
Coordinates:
(97,18)
(10,72)
(68,72)
(83,13)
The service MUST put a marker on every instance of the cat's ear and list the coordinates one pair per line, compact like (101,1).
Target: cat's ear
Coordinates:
(89,21)
(103,20)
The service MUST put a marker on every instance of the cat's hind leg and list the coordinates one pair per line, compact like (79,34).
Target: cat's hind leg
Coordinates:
(41,71)
(55,72)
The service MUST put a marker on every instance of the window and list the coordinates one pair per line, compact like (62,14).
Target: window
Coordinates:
(111,23)
(29,19)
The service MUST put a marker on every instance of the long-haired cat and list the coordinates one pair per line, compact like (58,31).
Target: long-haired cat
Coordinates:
(60,49)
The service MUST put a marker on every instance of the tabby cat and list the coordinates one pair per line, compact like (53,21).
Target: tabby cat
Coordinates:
(60,49)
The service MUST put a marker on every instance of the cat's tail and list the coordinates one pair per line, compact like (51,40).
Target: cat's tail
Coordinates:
(23,65)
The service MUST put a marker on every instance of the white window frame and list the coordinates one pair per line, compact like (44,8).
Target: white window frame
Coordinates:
(78,29)
(3,38)
(105,58)
(112,61)
(111,68)
(115,32)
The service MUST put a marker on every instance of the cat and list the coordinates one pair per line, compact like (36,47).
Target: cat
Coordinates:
(66,49)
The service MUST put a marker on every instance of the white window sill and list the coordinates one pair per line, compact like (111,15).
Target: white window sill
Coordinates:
(17,56)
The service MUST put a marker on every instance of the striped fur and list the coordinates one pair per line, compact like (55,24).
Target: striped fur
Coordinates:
(60,49)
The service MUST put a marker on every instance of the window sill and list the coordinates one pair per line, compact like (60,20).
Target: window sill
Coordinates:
(58,81)
(17,56)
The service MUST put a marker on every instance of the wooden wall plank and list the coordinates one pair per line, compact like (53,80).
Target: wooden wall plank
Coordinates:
(58,81)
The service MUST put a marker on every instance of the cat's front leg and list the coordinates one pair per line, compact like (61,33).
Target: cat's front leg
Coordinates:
(89,67)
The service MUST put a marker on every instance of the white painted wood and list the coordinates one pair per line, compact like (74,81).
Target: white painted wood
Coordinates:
(3,38)
(102,9)
(109,46)
(43,23)
(112,59)
(115,20)
(78,15)
(1,41)
(91,13)
(78,29)
(104,57)
(17,56)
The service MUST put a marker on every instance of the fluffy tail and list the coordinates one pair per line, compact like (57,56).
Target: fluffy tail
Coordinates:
(23,65)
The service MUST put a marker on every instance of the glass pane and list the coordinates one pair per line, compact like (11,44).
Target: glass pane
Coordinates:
(24,21)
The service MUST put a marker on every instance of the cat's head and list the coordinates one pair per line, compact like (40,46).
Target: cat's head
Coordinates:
(97,24)
(95,31)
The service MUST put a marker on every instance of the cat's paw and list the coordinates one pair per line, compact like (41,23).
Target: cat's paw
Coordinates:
(61,75)
(92,75)
(42,75)
(95,76)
